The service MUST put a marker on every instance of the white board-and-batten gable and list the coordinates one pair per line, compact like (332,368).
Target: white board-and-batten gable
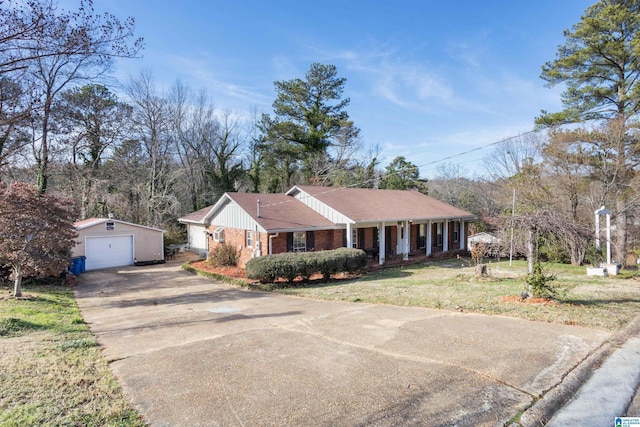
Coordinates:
(322,208)
(227,213)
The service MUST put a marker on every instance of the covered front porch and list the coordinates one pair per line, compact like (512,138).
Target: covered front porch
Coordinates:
(398,240)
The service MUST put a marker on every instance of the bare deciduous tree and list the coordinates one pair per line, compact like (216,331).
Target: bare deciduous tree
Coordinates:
(15,108)
(194,128)
(51,49)
(510,156)
(530,227)
(151,125)
(226,172)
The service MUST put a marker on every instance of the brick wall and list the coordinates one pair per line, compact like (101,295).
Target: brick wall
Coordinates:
(279,244)
(324,240)
(238,239)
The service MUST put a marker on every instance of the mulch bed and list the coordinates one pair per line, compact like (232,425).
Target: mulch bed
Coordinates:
(240,273)
(516,299)
(234,272)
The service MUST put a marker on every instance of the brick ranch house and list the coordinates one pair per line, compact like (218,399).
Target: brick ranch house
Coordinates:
(385,223)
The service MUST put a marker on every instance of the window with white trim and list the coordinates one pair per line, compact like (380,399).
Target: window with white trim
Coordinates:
(354,237)
(439,234)
(218,234)
(250,238)
(299,241)
(456,231)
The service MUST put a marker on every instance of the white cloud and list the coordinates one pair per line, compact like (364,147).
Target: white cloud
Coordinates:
(410,83)
(404,83)
(284,68)
(469,53)
(401,81)
(198,72)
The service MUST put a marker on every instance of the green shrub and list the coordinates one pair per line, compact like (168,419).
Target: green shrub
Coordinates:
(594,256)
(553,252)
(174,234)
(265,268)
(224,255)
(291,265)
(354,259)
(539,284)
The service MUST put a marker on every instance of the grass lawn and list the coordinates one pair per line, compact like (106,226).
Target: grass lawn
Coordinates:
(602,303)
(51,369)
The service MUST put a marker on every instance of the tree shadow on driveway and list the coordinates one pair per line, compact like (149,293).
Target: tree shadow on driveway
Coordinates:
(211,296)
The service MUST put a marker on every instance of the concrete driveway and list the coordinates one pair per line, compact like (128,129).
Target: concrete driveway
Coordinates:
(189,351)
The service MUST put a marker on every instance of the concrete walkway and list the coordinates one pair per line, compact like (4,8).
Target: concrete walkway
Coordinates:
(189,351)
(607,394)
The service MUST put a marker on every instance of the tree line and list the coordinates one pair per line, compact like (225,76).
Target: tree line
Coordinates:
(149,155)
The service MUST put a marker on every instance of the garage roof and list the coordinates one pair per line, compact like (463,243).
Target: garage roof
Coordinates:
(90,222)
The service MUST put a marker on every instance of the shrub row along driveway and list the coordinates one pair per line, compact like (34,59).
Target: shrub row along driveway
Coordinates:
(190,351)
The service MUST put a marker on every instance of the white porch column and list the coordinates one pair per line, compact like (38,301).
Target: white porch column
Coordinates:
(445,236)
(428,239)
(381,244)
(462,236)
(405,240)
(399,248)
(349,235)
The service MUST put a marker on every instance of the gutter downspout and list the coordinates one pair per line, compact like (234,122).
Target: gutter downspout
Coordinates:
(271,243)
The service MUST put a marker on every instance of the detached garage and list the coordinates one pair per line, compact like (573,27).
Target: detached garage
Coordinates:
(109,242)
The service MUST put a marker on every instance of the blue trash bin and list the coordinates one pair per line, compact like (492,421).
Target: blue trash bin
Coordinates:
(75,266)
(82,263)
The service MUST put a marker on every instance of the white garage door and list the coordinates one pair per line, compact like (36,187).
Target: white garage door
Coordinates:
(110,251)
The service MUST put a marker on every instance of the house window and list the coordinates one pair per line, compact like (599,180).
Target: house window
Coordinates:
(456,231)
(439,234)
(218,234)
(354,237)
(299,241)
(250,238)
(422,241)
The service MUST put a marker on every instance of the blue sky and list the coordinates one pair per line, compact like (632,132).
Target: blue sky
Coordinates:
(427,79)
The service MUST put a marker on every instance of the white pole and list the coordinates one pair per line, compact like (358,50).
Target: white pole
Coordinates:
(607,213)
(608,239)
(597,231)
(513,212)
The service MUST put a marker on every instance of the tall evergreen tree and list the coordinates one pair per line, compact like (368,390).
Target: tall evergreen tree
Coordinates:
(94,122)
(310,117)
(401,174)
(600,65)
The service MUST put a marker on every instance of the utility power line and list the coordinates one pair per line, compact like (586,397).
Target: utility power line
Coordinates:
(453,156)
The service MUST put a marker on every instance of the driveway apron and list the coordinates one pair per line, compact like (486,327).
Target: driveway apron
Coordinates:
(189,351)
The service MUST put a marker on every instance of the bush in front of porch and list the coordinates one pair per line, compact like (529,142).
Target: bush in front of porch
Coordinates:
(290,265)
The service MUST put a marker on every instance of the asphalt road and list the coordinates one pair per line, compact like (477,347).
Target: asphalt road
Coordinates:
(190,351)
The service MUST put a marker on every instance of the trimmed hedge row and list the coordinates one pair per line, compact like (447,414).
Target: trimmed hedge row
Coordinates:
(290,265)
